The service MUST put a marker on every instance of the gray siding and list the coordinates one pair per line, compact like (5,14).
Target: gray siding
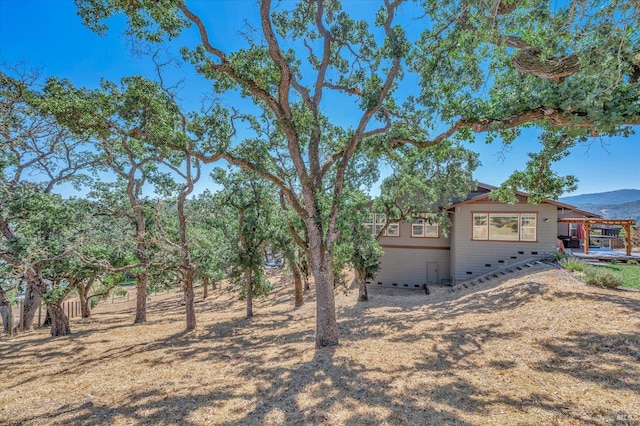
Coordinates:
(563,228)
(474,258)
(407,261)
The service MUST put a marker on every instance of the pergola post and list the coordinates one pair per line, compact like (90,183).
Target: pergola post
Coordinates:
(627,234)
(586,228)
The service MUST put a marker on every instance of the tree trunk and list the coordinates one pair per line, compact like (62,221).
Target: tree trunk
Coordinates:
(4,314)
(297,284)
(326,324)
(31,304)
(4,310)
(322,268)
(142,278)
(305,272)
(363,295)
(205,287)
(141,297)
(85,301)
(85,308)
(59,320)
(189,300)
(249,277)
(307,285)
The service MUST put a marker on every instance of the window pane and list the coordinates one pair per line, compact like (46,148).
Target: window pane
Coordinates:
(369,223)
(417,228)
(503,227)
(431,231)
(528,227)
(393,230)
(480,228)
(528,234)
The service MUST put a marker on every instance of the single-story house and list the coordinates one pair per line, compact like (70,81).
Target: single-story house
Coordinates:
(485,235)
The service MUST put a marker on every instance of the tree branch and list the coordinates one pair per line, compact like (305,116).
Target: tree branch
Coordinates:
(554,117)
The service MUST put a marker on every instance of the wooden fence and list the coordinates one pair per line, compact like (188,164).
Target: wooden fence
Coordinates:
(15,315)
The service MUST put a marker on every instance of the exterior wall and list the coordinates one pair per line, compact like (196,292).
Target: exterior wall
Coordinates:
(564,228)
(408,260)
(454,252)
(472,258)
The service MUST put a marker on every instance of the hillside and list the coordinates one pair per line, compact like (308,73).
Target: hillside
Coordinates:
(630,210)
(537,348)
(621,204)
(603,198)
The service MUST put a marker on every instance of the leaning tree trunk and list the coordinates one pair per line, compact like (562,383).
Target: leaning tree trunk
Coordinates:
(363,295)
(297,284)
(59,320)
(31,305)
(189,300)
(248,273)
(33,296)
(322,268)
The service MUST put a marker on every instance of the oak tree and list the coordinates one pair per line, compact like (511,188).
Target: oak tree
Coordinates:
(569,69)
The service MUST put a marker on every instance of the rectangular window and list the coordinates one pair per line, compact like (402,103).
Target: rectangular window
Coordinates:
(573,229)
(393,230)
(377,221)
(528,227)
(369,224)
(505,226)
(423,227)
(417,228)
(381,220)
(480,226)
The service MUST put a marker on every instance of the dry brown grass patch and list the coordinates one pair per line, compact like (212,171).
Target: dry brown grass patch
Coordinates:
(536,349)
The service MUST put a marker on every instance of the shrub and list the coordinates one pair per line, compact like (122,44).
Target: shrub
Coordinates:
(602,277)
(572,264)
(632,262)
(557,256)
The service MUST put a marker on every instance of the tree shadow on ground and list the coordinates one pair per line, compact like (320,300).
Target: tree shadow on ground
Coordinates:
(285,386)
(612,297)
(308,392)
(582,356)
(325,382)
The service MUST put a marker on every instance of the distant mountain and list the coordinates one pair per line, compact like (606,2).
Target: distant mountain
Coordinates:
(630,210)
(603,198)
(620,204)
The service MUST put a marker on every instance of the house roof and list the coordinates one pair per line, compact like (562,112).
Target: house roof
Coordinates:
(483,191)
(575,209)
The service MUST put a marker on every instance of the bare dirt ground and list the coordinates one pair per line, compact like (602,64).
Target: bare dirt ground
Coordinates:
(536,348)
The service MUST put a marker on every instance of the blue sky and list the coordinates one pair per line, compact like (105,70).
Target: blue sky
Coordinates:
(48,34)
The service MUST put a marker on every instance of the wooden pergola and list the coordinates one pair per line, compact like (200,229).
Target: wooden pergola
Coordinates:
(587,223)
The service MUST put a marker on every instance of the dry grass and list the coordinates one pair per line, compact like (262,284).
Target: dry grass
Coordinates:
(539,348)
